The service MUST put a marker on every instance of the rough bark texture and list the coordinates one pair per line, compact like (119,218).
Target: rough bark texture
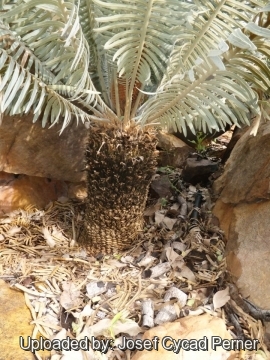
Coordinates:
(121,165)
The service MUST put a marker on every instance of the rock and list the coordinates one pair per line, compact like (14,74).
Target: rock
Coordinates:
(168,141)
(162,186)
(245,255)
(174,151)
(219,147)
(237,134)
(198,170)
(247,229)
(15,322)
(191,327)
(27,148)
(243,209)
(247,172)
(20,191)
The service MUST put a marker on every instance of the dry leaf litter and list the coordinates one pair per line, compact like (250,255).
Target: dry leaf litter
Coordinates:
(174,270)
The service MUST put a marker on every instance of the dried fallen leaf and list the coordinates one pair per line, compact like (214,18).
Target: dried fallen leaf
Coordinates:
(100,328)
(70,296)
(87,311)
(260,355)
(57,234)
(115,263)
(72,355)
(14,230)
(95,288)
(192,188)
(82,254)
(175,206)
(172,256)
(127,259)
(159,217)
(187,273)
(169,222)
(179,246)
(167,314)
(61,335)
(147,261)
(48,237)
(176,293)
(56,357)
(129,327)
(152,209)
(106,327)
(221,298)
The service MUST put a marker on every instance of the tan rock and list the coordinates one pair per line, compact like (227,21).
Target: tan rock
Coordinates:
(174,151)
(27,148)
(15,322)
(243,209)
(224,213)
(247,172)
(248,250)
(247,229)
(191,327)
(168,141)
(22,191)
(233,138)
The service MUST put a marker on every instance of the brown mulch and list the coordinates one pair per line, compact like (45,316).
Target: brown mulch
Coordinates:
(71,293)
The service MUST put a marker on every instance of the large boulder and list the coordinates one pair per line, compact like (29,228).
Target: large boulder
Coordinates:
(27,148)
(243,208)
(247,172)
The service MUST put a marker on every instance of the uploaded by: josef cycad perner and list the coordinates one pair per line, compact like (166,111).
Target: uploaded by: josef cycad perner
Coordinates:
(167,342)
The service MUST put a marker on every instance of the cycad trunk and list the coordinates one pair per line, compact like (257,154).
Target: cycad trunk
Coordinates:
(120,167)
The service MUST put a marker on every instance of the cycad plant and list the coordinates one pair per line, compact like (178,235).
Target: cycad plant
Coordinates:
(126,67)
